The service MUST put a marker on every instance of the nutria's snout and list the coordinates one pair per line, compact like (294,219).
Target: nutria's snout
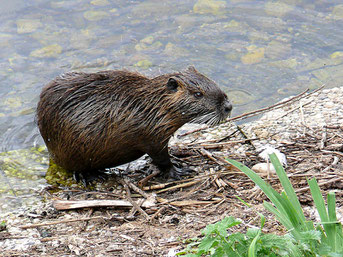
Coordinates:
(227,108)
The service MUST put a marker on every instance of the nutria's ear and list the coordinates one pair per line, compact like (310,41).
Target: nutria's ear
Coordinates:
(172,85)
(191,69)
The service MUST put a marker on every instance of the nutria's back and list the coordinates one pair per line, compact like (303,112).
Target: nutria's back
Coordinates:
(95,121)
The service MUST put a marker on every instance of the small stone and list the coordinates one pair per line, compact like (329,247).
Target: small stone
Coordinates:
(47,51)
(100,2)
(27,25)
(145,64)
(214,7)
(95,15)
(13,102)
(337,54)
(264,168)
(255,55)
(338,12)
(277,9)
(148,40)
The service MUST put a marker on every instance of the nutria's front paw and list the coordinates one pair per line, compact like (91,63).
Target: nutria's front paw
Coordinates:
(177,173)
(87,178)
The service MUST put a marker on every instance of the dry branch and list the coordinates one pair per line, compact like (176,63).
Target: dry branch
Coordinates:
(69,205)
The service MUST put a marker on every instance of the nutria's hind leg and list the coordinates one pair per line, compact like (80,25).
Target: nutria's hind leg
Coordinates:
(87,177)
(162,160)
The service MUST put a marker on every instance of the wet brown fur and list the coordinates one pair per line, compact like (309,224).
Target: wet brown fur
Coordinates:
(93,121)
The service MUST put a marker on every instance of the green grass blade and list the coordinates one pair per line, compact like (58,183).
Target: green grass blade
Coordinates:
(332,206)
(284,212)
(318,199)
(284,220)
(337,226)
(266,188)
(286,184)
(293,216)
(252,247)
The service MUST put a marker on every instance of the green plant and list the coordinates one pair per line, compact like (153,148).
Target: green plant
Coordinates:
(217,242)
(324,239)
(304,238)
(2,225)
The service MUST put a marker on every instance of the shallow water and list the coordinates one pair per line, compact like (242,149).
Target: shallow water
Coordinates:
(257,51)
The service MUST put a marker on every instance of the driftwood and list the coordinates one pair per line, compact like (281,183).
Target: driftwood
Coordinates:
(69,205)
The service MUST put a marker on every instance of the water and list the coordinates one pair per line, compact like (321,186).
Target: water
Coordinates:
(257,51)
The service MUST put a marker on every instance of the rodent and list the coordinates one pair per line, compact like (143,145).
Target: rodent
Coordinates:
(93,121)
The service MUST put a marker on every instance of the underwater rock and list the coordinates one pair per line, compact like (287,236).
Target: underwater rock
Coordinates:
(144,64)
(27,25)
(47,51)
(95,15)
(255,55)
(277,9)
(214,7)
(337,12)
(100,2)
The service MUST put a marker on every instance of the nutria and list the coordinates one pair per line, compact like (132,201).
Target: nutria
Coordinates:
(93,121)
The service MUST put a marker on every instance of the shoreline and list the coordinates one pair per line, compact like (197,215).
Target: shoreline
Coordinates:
(309,132)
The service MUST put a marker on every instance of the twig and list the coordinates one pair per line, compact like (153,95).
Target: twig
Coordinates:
(296,108)
(158,212)
(275,106)
(145,180)
(209,144)
(135,188)
(135,205)
(164,185)
(188,184)
(323,141)
(209,155)
(332,152)
(245,136)
(69,205)
(63,221)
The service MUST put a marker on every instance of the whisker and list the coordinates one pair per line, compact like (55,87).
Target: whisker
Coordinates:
(211,119)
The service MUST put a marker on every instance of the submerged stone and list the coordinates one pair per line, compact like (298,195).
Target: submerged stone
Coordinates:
(214,7)
(277,9)
(27,25)
(13,102)
(47,51)
(337,12)
(148,40)
(337,54)
(145,64)
(174,50)
(255,55)
(277,50)
(95,15)
(100,2)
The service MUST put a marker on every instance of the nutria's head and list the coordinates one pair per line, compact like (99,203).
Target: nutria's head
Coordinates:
(179,98)
(199,99)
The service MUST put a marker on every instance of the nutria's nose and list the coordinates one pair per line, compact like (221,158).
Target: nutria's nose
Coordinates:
(227,107)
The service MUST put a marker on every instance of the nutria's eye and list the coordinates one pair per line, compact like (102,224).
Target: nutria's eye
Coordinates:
(172,85)
(198,95)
